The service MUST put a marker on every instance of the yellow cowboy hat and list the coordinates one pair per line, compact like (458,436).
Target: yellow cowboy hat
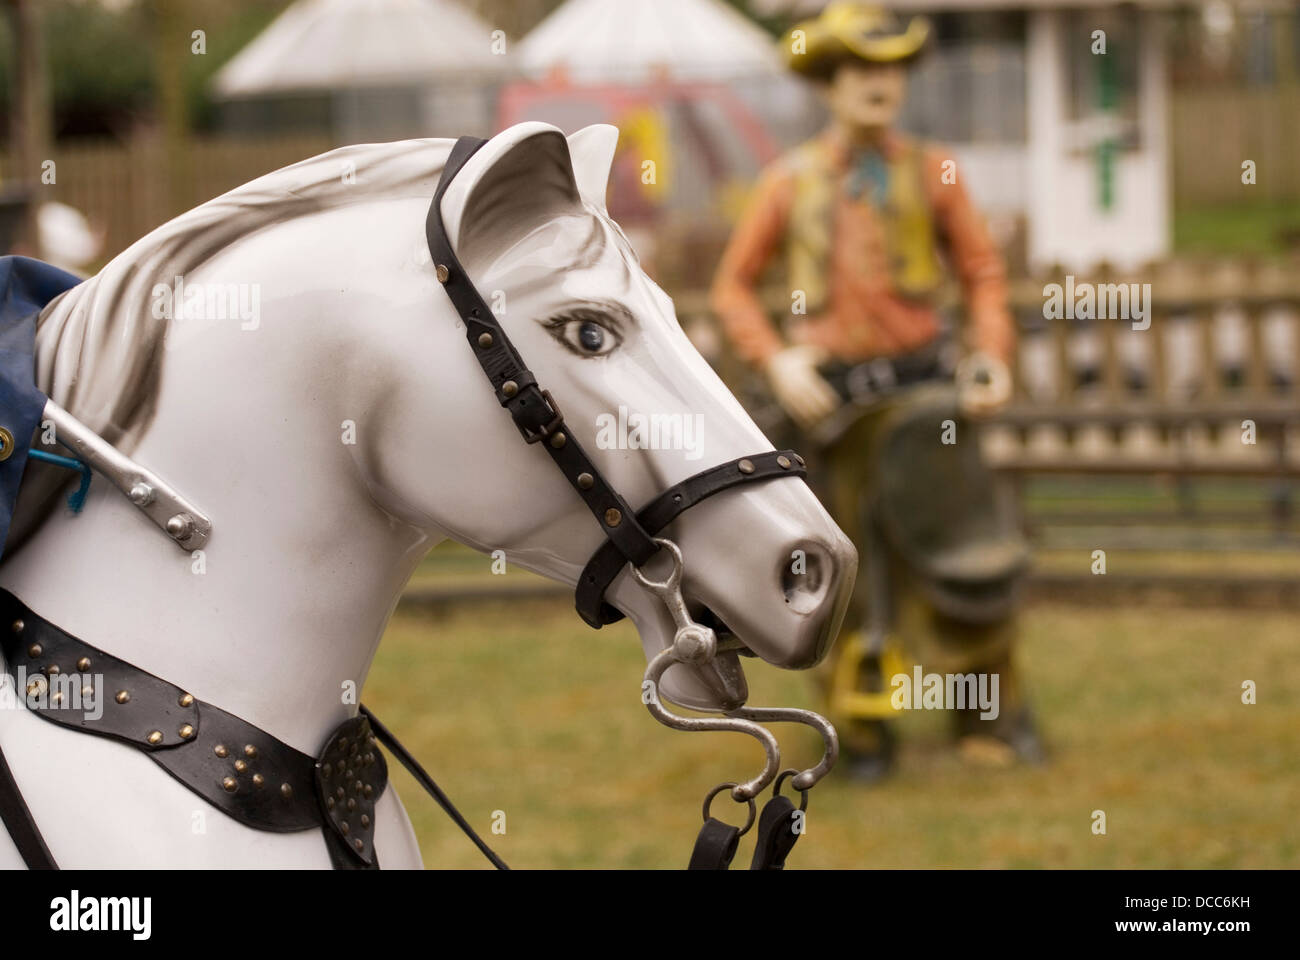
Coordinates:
(848,30)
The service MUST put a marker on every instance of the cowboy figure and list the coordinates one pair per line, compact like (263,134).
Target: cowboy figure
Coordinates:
(868,222)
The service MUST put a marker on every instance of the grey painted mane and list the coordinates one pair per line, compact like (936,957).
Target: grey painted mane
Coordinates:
(98,346)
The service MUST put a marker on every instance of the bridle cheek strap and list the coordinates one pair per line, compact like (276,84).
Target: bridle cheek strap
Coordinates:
(535,413)
(539,420)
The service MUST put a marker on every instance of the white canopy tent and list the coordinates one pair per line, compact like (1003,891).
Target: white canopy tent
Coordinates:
(636,41)
(695,84)
(388,67)
(335,44)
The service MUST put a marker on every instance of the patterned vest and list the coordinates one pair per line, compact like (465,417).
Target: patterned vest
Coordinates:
(907,224)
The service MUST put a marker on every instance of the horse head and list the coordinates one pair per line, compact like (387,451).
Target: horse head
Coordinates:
(765,563)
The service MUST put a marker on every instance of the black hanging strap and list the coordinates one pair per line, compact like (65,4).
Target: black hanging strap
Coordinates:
(17,818)
(776,834)
(715,847)
(413,767)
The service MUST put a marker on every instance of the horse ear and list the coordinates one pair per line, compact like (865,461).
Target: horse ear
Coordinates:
(592,149)
(520,179)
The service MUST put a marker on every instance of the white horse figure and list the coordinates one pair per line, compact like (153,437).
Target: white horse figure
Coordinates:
(332,423)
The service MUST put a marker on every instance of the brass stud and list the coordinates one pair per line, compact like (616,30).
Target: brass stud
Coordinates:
(329,803)
(343,742)
(359,844)
(186,731)
(783,462)
(339,793)
(35,686)
(326,770)
(509,388)
(52,669)
(286,791)
(250,751)
(368,790)
(558,439)
(345,827)
(347,774)
(352,750)
(83,664)
(746,466)
(186,700)
(240,766)
(87,691)
(155,737)
(221,751)
(800,460)
(258,780)
(357,787)
(612,517)
(57,697)
(35,650)
(443,273)
(365,819)
(585,481)
(19,626)
(352,804)
(123,696)
(485,340)
(230,784)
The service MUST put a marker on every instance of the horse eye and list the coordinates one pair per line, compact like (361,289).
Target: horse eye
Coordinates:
(591,336)
(585,337)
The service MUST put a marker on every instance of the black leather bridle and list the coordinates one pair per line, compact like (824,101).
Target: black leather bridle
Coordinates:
(630,535)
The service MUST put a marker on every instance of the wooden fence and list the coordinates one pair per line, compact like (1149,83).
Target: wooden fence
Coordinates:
(1219,346)
(1215,131)
(126,190)
(1210,385)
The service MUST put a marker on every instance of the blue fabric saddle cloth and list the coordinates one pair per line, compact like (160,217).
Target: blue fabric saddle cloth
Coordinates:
(26,286)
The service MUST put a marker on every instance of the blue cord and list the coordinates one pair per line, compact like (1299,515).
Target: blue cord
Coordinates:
(76,499)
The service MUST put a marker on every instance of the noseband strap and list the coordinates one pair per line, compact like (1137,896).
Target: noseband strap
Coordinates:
(537,416)
(606,563)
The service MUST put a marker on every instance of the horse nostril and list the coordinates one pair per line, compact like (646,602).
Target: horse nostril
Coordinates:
(805,576)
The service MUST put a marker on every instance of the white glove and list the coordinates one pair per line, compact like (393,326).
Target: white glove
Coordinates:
(983,385)
(802,392)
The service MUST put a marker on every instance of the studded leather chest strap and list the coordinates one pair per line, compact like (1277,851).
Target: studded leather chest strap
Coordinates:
(73,684)
(606,563)
(237,767)
(533,409)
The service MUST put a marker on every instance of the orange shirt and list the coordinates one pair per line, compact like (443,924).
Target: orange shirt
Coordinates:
(864,315)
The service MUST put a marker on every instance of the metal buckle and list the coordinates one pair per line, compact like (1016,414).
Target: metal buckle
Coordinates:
(551,427)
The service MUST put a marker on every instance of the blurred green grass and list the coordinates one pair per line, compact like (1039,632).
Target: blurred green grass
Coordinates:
(1247,228)
(516,706)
